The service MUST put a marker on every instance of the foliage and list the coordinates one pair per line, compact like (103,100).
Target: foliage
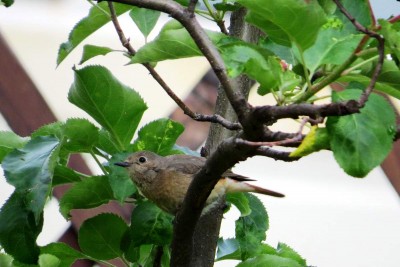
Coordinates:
(308,44)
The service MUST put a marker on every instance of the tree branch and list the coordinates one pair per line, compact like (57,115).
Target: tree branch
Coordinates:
(381,52)
(271,114)
(194,115)
(204,44)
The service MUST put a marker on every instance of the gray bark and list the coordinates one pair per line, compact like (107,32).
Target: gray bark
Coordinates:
(208,226)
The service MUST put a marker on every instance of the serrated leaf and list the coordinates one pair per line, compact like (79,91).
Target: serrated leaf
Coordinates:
(145,19)
(19,230)
(9,141)
(54,128)
(30,169)
(89,193)
(81,135)
(240,201)
(101,236)
(360,142)
(119,179)
(91,51)
(285,251)
(96,18)
(158,136)
(150,225)
(62,251)
(250,230)
(173,42)
(305,20)
(316,140)
(269,261)
(64,175)
(332,46)
(112,104)
(228,249)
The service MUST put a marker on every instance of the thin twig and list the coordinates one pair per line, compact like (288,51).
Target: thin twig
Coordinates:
(192,6)
(194,115)
(204,44)
(381,51)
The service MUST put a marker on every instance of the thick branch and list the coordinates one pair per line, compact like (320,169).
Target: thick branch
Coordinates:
(271,114)
(228,154)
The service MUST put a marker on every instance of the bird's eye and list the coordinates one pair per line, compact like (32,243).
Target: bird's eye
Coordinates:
(142,159)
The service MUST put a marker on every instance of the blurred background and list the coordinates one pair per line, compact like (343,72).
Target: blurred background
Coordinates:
(331,219)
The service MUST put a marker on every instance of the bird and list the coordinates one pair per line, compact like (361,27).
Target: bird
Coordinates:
(165,180)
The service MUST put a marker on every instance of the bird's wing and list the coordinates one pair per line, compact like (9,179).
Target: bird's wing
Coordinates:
(184,163)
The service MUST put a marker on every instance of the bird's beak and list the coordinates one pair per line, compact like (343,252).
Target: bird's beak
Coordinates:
(122,164)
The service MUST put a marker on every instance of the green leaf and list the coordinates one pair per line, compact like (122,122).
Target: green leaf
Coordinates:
(47,260)
(158,136)
(81,135)
(89,193)
(63,252)
(294,21)
(285,251)
(7,3)
(250,230)
(9,141)
(240,201)
(362,141)
(145,19)
(316,140)
(228,249)
(119,179)
(226,6)
(91,51)
(389,82)
(332,46)
(392,37)
(328,5)
(269,261)
(101,236)
(106,142)
(19,230)
(64,175)
(360,10)
(150,225)
(5,260)
(30,169)
(98,16)
(173,42)
(54,128)
(112,104)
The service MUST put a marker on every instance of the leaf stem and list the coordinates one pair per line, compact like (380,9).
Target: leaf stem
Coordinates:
(359,65)
(98,162)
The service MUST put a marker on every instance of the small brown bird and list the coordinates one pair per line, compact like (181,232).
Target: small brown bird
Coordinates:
(165,180)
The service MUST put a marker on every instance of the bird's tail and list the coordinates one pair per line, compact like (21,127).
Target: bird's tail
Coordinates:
(235,186)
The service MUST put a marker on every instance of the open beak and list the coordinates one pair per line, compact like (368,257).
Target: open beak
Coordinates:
(122,164)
